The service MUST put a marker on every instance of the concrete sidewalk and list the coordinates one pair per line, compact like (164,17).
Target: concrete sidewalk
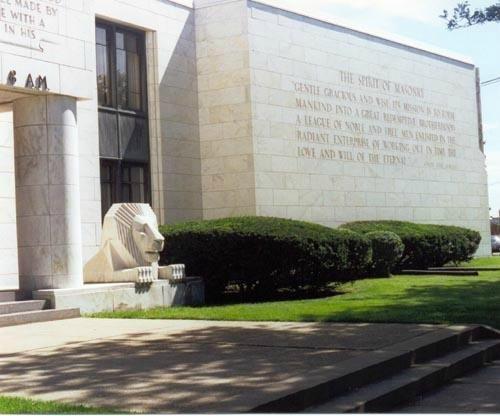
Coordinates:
(182,366)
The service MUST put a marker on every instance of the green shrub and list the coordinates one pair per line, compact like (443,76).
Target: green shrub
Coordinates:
(387,250)
(263,255)
(426,245)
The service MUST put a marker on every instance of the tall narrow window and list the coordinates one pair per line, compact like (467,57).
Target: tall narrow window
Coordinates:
(128,66)
(123,120)
(103,67)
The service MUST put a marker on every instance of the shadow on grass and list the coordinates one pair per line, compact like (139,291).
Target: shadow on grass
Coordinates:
(463,302)
(211,369)
(234,297)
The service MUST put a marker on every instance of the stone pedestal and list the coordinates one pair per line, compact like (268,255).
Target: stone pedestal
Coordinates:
(109,297)
(47,193)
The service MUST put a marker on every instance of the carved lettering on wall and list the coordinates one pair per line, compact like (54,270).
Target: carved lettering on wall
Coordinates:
(25,23)
(372,120)
(40,83)
(11,78)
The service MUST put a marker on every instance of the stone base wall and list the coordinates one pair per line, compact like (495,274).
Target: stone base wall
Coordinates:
(126,296)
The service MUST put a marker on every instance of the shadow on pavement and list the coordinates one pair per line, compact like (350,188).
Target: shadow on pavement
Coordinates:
(214,369)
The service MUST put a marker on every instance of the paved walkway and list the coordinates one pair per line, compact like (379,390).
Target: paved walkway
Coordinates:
(182,366)
(478,392)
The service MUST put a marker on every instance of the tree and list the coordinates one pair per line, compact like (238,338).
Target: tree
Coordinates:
(463,16)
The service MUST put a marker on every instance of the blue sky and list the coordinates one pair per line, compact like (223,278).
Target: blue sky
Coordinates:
(419,20)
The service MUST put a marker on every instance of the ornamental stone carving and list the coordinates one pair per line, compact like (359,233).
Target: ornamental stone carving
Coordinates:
(130,248)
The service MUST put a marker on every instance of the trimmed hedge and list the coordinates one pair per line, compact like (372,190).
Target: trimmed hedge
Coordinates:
(387,250)
(263,254)
(426,245)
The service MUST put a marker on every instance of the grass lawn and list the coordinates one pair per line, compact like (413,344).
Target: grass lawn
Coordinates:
(17,405)
(493,261)
(421,299)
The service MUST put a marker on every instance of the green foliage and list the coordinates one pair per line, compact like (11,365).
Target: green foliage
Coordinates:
(426,245)
(387,250)
(463,16)
(262,255)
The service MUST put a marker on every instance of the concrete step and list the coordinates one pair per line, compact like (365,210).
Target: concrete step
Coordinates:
(14,295)
(475,392)
(370,368)
(21,306)
(22,318)
(412,382)
(439,343)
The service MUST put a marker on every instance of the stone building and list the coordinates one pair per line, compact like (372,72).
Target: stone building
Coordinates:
(221,108)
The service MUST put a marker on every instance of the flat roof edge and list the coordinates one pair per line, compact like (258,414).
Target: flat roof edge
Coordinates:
(401,40)
(186,3)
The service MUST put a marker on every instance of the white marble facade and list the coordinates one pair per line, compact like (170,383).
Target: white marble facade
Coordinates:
(402,142)
(324,123)
(252,110)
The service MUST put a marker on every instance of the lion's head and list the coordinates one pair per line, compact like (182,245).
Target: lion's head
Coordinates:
(133,227)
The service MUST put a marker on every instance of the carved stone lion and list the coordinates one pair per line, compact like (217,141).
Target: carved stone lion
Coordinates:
(130,248)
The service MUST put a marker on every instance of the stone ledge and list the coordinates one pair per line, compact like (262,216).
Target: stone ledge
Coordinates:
(111,297)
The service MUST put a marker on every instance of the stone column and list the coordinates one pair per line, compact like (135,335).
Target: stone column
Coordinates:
(47,193)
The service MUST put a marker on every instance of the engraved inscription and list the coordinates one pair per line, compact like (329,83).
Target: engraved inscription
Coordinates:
(24,22)
(373,120)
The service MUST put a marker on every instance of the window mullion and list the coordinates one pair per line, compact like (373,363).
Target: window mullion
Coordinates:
(115,93)
(144,77)
(113,66)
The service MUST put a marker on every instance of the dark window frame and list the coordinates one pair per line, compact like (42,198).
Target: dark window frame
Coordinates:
(118,164)
(116,182)
(113,27)
(112,182)
(109,74)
